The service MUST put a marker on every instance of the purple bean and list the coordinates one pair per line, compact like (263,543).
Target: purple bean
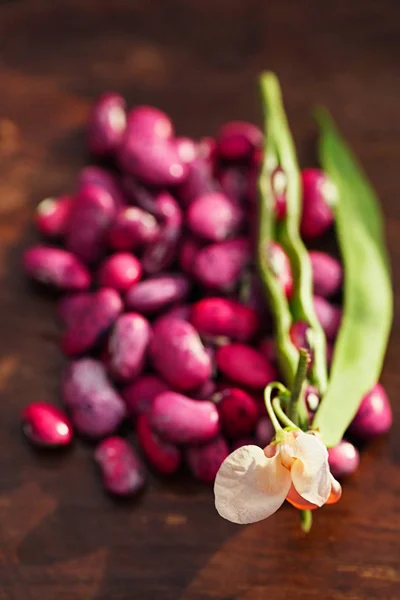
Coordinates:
(132,228)
(163,456)
(119,272)
(127,346)
(244,365)
(344,459)
(99,177)
(199,181)
(220,265)
(57,268)
(214,217)
(52,215)
(107,124)
(224,317)
(157,293)
(374,416)
(140,394)
(265,431)
(237,140)
(148,122)
(279,263)
(319,197)
(122,471)
(46,425)
(238,412)
(329,316)
(204,460)
(327,274)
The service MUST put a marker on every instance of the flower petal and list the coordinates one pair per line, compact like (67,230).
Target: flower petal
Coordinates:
(298,501)
(336,491)
(249,486)
(310,471)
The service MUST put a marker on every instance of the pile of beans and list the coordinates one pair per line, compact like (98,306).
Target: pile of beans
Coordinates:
(164,322)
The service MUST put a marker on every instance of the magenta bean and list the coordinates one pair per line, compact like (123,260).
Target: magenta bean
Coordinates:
(52,216)
(319,197)
(267,347)
(181,420)
(122,470)
(179,311)
(178,354)
(157,293)
(107,124)
(214,217)
(72,306)
(237,140)
(186,148)
(127,346)
(92,322)
(300,335)
(242,442)
(46,425)
(132,228)
(374,416)
(55,267)
(140,394)
(344,459)
(120,272)
(159,255)
(234,183)
(163,456)
(238,412)
(99,177)
(328,315)
(279,263)
(220,265)
(154,161)
(205,391)
(224,317)
(245,365)
(265,431)
(187,254)
(207,148)
(327,274)
(199,181)
(148,122)
(91,216)
(204,460)
(279,186)
(95,407)
(140,196)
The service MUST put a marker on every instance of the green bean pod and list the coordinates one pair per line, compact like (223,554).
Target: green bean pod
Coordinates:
(368,299)
(280,151)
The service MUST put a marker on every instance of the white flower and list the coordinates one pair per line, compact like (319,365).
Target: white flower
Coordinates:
(252,483)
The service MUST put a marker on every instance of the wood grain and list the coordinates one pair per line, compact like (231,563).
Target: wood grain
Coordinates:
(60,537)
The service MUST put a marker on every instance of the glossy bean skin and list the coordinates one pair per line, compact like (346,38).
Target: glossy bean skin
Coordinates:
(132,228)
(279,264)
(344,459)
(122,471)
(96,409)
(46,425)
(224,317)
(327,274)
(56,268)
(214,217)
(219,266)
(198,181)
(329,316)
(181,420)
(99,177)
(140,394)
(177,353)
(204,460)
(238,412)
(163,456)
(148,122)
(127,346)
(319,196)
(52,215)
(374,416)
(155,294)
(244,365)
(237,140)
(119,272)
(107,124)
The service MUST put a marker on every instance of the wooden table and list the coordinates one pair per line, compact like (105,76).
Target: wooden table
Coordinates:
(61,538)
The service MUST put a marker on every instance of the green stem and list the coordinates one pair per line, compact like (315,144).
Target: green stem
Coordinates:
(276,404)
(268,403)
(299,378)
(306,520)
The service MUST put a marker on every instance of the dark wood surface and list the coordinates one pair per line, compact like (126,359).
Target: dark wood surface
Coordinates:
(60,536)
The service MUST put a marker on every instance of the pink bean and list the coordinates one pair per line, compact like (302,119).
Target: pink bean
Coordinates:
(279,186)
(91,216)
(237,140)
(163,456)
(327,274)
(319,197)
(132,228)
(344,459)
(329,316)
(122,471)
(224,317)
(234,183)
(179,311)
(205,391)
(57,268)
(186,148)
(204,460)
(178,354)
(279,263)
(181,420)
(157,293)
(95,407)
(52,216)
(198,181)
(140,394)
(214,217)
(246,366)
(72,306)
(92,322)
(99,177)
(127,346)
(148,122)
(120,272)
(190,246)
(300,333)
(220,265)
(107,123)
(264,432)
(46,425)
(238,412)
(374,416)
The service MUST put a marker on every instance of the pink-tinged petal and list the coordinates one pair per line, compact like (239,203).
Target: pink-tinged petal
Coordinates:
(298,501)
(336,491)
(249,486)
(310,471)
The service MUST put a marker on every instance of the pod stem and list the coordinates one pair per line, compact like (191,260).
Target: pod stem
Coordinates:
(299,378)
(306,520)
(269,403)
(282,416)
